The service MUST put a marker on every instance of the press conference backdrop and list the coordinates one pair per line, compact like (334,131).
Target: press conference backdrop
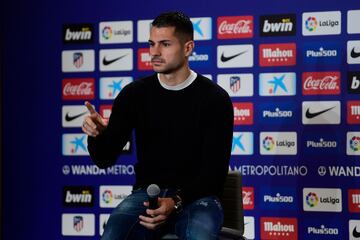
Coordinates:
(292,70)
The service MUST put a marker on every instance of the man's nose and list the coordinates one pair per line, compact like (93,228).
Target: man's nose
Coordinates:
(154,50)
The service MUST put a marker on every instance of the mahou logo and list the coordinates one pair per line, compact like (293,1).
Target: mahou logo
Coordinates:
(144,59)
(248,198)
(78,88)
(235,27)
(243,113)
(354,200)
(275,228)
(281,54)
(321,83)
(353,112)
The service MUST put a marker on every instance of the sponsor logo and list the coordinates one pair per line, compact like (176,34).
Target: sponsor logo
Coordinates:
(202,28)
(248,198)
(233,56)
(143,30)
(243,113)
(280,54)
(110,87)
(340,171)
(278,25)
(321,23)
(235,27)
(323,53)
(326,143)
(74,145)
(78,33)
(78,196)
(111,196)
(321,229)
(144,59)
(322,199)
(271,170)
(353,52)
(243,143)
(354,200)
(353,17)
(353,112)
(353,143)
(277,84)
(80,170)
(354,229)
(103,218)
(81,224)
(274,228)
(105,111)
(200,57)
(237,85)
(249,227)
(278,198)
(78,61)
(73,116)
(116,32)
(278,143)
(116,59)
(354,82)
(321,83)
(78,88)
(321,112)
(281,113)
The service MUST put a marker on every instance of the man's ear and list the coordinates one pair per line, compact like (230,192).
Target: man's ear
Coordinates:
(189,47)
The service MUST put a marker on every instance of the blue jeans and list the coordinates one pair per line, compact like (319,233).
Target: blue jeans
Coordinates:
(200,220)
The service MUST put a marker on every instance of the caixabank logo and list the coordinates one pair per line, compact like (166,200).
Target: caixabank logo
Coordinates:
(237,85)
(321,83)
(322,53)
(322,228)
(353,82)
(322,199)
(202,28)
(275,228)
(277,113)
(277,84)
(74,144)
(278,143)
(278,25)
(78,33)
(242,143)
(78,196)
(110,87)
(321,23)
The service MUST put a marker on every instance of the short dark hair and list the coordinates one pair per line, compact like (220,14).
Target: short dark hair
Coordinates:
(182,23)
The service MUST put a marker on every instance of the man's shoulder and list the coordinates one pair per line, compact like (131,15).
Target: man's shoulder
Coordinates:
(141,83)
(208,86)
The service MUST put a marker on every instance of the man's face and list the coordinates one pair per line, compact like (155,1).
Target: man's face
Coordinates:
(168,53)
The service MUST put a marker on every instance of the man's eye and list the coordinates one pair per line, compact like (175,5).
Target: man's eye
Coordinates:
(166,44)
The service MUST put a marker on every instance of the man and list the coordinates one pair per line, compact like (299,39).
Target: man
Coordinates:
(183,125)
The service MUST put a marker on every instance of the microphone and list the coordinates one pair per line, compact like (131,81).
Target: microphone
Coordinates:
(153,192)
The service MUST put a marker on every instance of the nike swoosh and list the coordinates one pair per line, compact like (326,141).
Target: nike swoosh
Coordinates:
(355,233)
(314,114)
(354,54)
(69,118)
(225,59)
(108,62)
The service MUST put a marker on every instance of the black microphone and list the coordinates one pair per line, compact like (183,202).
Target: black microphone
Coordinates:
(153,192)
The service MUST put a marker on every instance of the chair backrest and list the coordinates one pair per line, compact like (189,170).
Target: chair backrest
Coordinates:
(232,202)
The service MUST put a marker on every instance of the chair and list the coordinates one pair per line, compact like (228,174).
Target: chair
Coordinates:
(233,227)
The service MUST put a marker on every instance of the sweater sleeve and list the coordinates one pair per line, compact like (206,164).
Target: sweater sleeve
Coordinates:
(216,145)
(105,148)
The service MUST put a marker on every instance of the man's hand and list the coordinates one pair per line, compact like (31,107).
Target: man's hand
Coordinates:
(94,124)
(159,215)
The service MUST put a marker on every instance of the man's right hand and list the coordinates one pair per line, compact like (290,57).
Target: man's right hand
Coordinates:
(93,124)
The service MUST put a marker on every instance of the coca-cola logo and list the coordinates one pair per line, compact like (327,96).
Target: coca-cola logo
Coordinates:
(235,27)
(321,83)
(78,88)
(248,198)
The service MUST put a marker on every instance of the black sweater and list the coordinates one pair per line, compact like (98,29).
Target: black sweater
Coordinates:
(183,137)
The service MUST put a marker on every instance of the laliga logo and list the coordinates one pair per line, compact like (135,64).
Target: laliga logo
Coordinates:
(107,32)
(312,199)
(311,24)
(268,143)
(355,143)
(107,196)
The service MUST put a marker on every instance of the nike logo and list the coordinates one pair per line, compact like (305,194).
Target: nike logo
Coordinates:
(108,62)
(355,233)
(69,118)
(314,114)
(225,59)
(354,54)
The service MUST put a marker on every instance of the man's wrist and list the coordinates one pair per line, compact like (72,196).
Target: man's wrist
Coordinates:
(177,203)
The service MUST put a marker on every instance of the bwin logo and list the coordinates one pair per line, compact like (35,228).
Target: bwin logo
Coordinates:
(83,34)
(84,197)
(285,26)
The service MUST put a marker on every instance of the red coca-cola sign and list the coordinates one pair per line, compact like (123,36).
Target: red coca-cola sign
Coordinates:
(321,83)
(248,198)
(235,27)
(275,228)
(78,88)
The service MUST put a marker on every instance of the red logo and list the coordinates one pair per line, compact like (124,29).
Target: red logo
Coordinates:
(78,88)
(353,112)
(354,200)
(144,59)
(235,27)
(248,198)
(321,83)
(275,228)
(243,113)
(281,54)
(105,111)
